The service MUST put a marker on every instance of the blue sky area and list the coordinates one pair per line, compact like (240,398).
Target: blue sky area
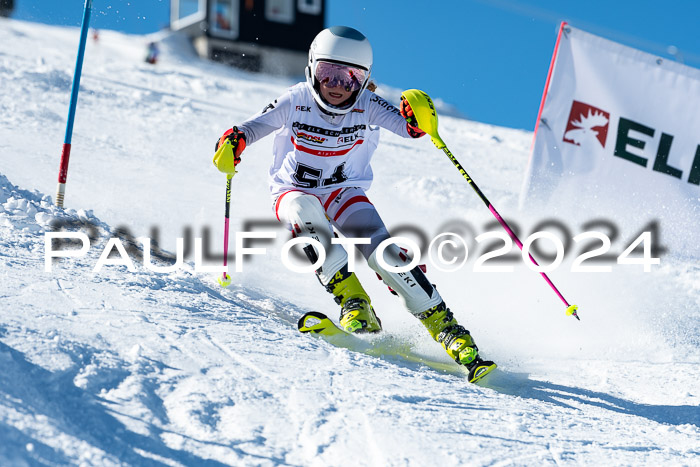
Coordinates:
(487,57)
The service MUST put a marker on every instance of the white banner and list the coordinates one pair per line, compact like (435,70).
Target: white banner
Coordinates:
(619,137)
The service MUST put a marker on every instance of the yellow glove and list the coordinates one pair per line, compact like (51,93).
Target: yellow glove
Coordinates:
(228,150)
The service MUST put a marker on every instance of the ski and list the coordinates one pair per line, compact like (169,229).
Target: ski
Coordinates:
(381,345)
(482,368)
(318,323)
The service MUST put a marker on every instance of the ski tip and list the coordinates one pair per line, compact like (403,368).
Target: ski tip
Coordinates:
(482,369)
(311,322)
(317,323)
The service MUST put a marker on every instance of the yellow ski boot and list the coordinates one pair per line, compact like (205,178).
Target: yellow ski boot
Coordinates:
(357,314)
(456,340)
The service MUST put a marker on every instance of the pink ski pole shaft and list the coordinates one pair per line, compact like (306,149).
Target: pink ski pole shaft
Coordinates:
(225,279)
(571,309)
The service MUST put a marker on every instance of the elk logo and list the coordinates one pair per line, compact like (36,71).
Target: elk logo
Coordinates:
(586,123)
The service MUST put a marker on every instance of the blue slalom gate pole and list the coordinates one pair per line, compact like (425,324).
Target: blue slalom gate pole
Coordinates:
(65,153)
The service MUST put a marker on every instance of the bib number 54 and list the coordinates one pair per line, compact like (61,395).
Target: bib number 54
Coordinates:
(310,177)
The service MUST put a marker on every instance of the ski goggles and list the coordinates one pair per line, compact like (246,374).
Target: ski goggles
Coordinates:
(334,75)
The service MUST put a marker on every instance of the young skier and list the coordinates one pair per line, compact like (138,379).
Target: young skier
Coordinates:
(319,175)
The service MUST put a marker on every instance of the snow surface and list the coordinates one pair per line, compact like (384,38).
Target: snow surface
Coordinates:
(137,367)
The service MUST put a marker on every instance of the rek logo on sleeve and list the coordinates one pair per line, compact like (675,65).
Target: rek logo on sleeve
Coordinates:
(585,124)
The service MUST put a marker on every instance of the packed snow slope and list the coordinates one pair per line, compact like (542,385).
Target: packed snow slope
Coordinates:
(136,367)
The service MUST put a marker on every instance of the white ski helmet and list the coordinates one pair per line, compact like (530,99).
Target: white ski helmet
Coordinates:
(339,45)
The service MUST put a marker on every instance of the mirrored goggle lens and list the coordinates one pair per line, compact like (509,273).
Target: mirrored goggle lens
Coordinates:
(334,75)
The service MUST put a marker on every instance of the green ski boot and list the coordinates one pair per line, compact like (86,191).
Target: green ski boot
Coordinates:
(357,314)
(456,341)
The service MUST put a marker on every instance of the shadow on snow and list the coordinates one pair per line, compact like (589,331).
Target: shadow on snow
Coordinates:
(519,384)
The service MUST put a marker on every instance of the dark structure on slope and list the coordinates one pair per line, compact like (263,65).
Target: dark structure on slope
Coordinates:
(270,36)
(6,7)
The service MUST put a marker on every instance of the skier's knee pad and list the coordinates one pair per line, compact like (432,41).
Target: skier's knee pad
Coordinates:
(307,218)
(413,286)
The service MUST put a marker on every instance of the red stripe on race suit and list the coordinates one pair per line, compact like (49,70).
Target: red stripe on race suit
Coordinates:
(350,202)
(331,198)
(326,153)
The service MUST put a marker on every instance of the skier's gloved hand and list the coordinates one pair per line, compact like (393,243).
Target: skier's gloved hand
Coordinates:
(228,150)
(237,139)
(411,121)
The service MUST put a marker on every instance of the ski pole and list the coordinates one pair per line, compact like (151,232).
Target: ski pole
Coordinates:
(225,161)
(225,279)
(426,116)
(65,152)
